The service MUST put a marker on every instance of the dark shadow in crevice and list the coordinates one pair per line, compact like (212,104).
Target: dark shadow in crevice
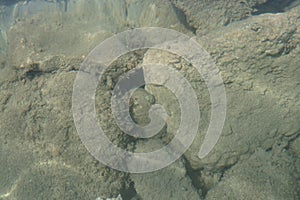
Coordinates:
(197,181)
(33,74)
(34,71)
(129,193)
(182,19)
(194,175)
(275,6)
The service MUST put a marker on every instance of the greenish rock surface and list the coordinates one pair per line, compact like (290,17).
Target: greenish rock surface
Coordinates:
(258,155)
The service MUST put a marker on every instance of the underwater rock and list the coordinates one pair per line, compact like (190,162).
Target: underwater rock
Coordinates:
(205,16)
(258,59)
(45,28)
(262,176)
(171,182)
(258,93)
(258,85)
(141,104)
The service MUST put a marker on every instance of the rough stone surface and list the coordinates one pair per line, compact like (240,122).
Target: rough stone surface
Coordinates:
(86,22)
(258,155)
(256,90)
(260,72)
(263,176)
(205,16)
(165,184)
